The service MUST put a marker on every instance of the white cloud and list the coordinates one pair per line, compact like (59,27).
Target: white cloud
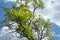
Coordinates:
(10,34)
(5,30)
(51,11)
(10,0)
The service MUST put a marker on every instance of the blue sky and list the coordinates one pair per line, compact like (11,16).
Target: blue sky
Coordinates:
(51,11)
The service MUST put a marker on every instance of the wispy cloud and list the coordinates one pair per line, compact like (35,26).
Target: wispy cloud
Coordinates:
(10,0)
(55,34)
(51,11)
(8,34)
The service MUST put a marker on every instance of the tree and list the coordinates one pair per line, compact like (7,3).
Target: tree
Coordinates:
(27,20)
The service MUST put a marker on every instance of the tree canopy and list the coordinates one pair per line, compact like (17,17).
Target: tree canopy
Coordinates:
(28,21)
